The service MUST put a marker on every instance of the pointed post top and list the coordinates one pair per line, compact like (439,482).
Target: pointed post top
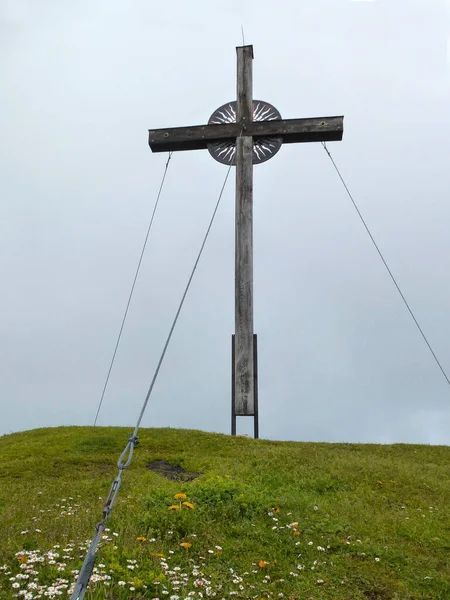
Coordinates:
(244,47)
(244,110)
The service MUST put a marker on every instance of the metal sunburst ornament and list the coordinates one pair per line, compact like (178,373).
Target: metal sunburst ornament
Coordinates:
(263,148)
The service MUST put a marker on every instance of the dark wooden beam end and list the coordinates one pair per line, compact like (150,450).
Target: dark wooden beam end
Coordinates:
(318,129)
(190,138)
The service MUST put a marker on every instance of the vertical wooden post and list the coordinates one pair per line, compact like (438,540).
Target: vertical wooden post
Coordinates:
(244,359)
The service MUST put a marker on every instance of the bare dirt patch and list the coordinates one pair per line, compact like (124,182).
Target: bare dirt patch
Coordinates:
(173,472)
(378,595)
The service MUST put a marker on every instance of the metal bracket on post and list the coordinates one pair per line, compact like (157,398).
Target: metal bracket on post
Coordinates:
(255,387)
(233,387)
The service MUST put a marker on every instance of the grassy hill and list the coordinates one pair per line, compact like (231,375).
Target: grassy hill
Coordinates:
(260,519)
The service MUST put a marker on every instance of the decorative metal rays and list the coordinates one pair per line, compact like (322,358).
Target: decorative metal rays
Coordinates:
(263,148)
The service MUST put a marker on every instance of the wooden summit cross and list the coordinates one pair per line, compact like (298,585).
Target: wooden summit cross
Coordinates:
(244,133)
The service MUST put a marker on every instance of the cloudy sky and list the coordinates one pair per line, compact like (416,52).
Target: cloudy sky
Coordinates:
(340,358)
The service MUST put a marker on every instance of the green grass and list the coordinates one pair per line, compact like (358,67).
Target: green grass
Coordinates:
(373,521)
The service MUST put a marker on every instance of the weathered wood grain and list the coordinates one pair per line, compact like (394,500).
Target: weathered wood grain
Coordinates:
(318,129)
(244,91)
(244,383)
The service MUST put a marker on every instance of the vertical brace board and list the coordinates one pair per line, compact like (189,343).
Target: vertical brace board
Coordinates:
(255,388)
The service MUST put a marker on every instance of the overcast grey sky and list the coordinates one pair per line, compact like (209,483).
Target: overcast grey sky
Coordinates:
(339,356)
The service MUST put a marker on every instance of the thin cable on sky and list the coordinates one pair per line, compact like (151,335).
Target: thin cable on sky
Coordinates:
(125,458)
(132,287)
(387,267)
(183,298)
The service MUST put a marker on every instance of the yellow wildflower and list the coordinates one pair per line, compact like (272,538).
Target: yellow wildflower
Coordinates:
(186,545)
(180,496)
(141,538)
(263,564)
(276,509)
(296,532)
(188,505)
(174,507)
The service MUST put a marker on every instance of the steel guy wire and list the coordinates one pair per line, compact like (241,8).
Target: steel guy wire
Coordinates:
(387,267)
(132,289)
(125,458)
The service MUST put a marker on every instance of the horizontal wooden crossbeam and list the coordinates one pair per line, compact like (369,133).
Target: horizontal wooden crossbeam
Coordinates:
(198,137)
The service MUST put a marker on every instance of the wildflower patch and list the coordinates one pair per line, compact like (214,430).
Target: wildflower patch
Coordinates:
(261,522)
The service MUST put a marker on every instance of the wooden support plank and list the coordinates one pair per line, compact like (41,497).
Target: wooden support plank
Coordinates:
(244,371)
(196,137)
(326,129)
(318,129)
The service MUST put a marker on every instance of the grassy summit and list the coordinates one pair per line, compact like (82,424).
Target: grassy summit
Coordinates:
(262,519)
